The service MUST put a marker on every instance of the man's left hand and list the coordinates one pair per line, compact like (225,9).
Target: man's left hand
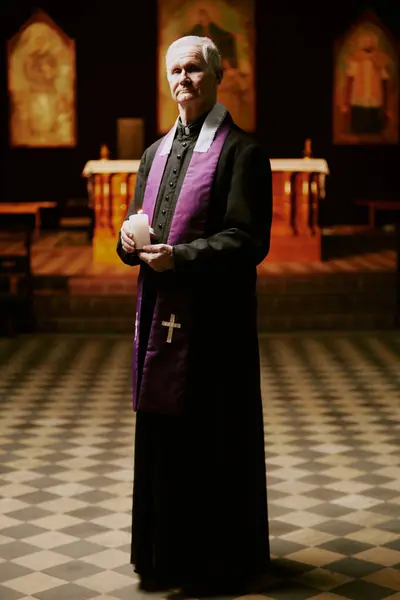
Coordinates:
(158,256)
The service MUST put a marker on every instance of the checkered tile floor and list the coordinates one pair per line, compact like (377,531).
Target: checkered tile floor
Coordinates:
(332,407)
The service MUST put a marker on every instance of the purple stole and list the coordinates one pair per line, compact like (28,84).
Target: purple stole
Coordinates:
(165,378)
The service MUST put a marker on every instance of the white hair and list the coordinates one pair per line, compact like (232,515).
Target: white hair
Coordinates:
(207,47)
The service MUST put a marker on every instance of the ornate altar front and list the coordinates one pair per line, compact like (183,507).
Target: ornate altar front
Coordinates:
(110,185)
(298,187)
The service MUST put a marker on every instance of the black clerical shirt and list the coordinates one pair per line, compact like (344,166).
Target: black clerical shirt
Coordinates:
(174,175)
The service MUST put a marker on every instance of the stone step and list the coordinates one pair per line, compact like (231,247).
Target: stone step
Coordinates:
(300,322)
(275,311)
(286,301)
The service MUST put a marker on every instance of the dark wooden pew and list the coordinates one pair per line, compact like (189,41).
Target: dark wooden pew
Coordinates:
(16,286)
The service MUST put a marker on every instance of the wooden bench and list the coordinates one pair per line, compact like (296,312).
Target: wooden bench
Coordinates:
(76,215)
(377,205)
(25,208)
(16,287)
(387,205)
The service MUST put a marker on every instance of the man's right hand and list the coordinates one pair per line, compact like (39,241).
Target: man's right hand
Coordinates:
(127,238)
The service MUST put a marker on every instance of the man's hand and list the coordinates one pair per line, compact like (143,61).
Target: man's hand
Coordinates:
(158,256)
(127,238)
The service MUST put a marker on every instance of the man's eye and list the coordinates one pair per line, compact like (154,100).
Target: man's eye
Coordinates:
(175,71)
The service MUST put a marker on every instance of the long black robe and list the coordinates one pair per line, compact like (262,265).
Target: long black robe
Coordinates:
(199,499)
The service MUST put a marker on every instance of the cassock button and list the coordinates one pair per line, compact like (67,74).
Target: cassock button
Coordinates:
(160,225)
(175,171)
(163,211)
(167,198)
(178,156)
(184,144)
(171,183)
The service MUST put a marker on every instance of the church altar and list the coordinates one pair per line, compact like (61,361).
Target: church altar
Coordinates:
(298,189)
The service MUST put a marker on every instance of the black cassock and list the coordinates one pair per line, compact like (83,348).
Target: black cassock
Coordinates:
(199,498)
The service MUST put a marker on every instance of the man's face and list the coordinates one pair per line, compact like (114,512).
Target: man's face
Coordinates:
(189,78)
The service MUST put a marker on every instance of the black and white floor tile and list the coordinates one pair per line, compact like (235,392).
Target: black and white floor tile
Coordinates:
(332,431)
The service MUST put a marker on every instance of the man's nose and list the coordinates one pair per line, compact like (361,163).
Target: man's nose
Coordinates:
(184,76)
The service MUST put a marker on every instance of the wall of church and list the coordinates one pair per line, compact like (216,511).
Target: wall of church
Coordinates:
(116,77)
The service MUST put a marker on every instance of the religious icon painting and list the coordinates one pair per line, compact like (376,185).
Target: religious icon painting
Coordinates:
(230,24)
(366,85)
(41,85)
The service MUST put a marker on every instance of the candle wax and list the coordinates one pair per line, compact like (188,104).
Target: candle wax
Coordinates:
(139,226)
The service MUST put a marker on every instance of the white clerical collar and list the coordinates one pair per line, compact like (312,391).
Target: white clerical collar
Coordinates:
(207,133)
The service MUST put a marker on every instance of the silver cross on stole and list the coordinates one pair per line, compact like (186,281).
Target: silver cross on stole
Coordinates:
(171,326)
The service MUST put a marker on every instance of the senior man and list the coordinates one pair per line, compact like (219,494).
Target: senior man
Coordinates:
(199,518)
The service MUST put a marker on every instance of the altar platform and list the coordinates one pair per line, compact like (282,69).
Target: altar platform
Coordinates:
(74,293)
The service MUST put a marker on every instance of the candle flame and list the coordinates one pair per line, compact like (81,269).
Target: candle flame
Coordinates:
(139,212)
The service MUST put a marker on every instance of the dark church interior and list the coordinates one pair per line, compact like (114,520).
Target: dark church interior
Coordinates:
(72,134)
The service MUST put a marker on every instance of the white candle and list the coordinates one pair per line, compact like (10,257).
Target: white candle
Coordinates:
(139,226)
